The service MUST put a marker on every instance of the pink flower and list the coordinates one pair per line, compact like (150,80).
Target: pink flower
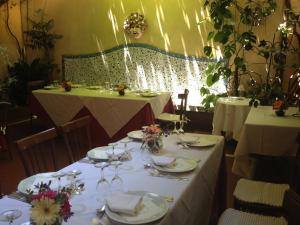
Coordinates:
(66,210)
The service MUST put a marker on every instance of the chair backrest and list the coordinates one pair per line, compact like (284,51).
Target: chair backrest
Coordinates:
(77,137)
(291,205)
(37,152)
(4,111)
(183,103)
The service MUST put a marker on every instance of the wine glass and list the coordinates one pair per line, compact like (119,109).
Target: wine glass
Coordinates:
(103,186)
(58,175)
(181,125)
(125,142)
(10,215)
(113,145)
(175,131)
(116,182)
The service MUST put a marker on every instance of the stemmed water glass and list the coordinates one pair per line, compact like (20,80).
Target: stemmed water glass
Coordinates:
(113,145)
(10,215)
(175,131)
(58,175)
(103,186)
(116,182)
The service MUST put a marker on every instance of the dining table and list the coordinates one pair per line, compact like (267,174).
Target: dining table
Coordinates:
(188,195)
(265,133)
(230,114)
(113,115)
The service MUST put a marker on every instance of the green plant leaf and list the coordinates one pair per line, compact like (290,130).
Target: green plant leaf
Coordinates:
(238,61)
(229,50)
(210,35)
(204,91)
(207,50)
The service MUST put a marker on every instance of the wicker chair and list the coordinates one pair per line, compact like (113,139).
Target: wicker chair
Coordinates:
(291,206)
(264,195)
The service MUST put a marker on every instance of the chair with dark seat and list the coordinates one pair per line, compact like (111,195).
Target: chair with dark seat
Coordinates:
(170,117)
(77,137)
(290,216)
(37,152)
(5,108)
(272,177)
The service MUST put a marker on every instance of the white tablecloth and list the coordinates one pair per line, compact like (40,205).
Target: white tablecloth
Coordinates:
(229,116)
(109,109)
(193,198)
(266,134)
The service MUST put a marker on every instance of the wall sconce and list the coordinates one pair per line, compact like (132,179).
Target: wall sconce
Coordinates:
(135,25)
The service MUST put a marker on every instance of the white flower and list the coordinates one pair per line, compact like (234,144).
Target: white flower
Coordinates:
(45,211)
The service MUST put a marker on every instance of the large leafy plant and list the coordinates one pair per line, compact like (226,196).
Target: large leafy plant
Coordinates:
(229,34)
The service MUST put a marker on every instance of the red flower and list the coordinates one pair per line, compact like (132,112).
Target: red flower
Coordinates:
(66,210)
(47,194)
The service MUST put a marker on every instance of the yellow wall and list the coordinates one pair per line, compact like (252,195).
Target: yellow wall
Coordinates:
(93,25)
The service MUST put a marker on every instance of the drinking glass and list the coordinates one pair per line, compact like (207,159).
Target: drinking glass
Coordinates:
(58,176)
(181,124)
(10,215)
(103,186)
(125,142)
(113,145)
(116,182)
(175,131)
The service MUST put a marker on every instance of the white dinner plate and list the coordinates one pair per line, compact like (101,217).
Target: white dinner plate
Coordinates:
(148,94)
(50,87)
(99,153)
(28,182)
(136,134)
(179,166)
(204,141)
(154,208)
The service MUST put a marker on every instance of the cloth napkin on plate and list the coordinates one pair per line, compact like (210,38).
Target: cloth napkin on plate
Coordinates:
(188,139)
(163,160)
(125,203)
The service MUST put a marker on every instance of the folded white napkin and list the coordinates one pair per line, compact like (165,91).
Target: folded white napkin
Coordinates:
(163,160)
(124,203)
(188,139)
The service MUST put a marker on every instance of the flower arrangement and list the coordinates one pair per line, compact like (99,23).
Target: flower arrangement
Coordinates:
(50,207)
(152,138)
(67,85)
(279,106)
(121,89)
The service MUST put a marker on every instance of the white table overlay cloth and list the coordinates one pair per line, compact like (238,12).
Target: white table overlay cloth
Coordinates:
(193,198)
(110,110)
(266,134)
(229,116)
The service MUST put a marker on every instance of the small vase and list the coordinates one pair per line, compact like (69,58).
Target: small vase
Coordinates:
(122,92)
(280,112)
(154,145)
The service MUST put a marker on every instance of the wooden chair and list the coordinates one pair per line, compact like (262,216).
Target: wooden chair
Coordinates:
(37,152)
(5,108)
(169,117)
(265,194)
(77,137)
(291,216)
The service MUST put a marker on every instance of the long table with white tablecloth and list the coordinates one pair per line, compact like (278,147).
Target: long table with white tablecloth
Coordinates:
(192,197)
